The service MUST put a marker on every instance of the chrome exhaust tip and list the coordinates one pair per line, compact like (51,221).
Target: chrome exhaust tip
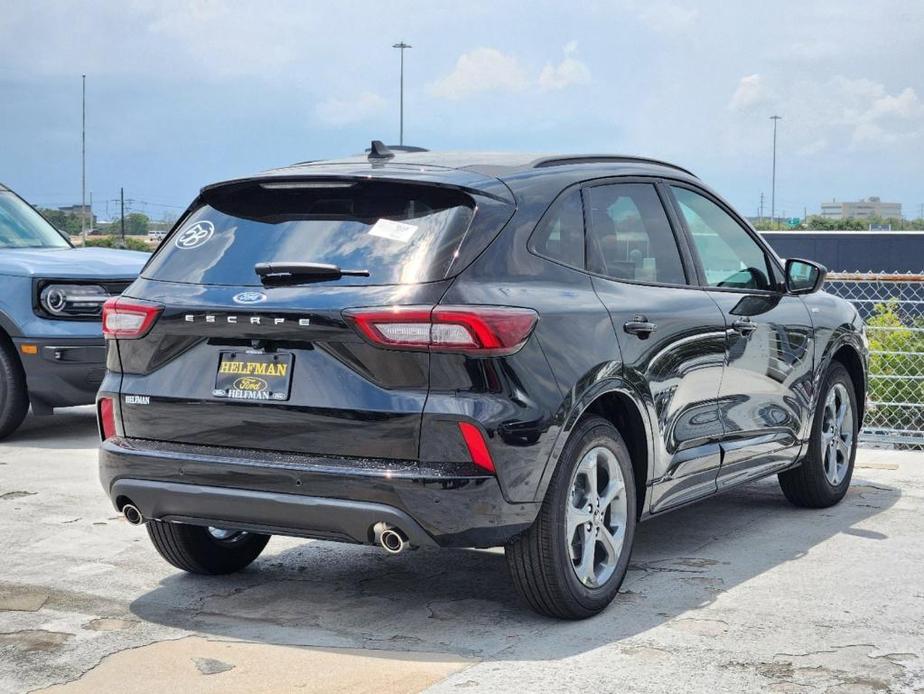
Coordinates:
(391,539)
(132,514)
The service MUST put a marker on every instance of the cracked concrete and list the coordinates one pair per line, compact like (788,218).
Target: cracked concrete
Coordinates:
(739,593)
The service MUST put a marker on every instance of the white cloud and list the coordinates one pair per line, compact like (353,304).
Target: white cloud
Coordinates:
(349,110)
(835,114)
(488,69)
(481,70)
(750,94)
(570,71)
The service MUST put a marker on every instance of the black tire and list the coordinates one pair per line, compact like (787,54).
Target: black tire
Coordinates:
(14,397)
(194,549)
(539,560)
(808,485)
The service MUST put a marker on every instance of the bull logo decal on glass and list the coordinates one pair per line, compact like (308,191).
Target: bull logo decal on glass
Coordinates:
(195,235)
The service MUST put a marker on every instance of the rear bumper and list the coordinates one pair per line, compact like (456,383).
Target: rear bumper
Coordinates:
(326,498)
(63,371)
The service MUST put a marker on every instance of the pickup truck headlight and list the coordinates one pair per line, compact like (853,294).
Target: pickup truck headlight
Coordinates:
(73,300)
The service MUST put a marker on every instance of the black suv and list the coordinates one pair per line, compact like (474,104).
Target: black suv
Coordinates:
(418,349)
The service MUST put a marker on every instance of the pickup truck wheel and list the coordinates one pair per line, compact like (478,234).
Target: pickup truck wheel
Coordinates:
(14,398)
(570,563)
(824,475)
(201,550)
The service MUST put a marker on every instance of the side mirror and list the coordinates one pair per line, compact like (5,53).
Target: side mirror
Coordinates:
(804,276)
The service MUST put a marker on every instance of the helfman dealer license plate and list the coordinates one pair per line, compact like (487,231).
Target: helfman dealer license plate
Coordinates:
(244,376)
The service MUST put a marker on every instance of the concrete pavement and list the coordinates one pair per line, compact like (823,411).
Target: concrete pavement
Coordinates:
(739,593)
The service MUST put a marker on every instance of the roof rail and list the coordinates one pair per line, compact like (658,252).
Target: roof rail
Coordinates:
(564,160)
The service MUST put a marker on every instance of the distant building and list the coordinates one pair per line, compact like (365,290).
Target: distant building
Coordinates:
(78,210)
(862,209)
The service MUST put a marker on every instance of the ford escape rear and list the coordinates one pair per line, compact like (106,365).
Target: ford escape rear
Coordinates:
(416,349)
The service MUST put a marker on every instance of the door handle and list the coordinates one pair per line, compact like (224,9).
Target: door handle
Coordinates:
(640,326)
(744,326)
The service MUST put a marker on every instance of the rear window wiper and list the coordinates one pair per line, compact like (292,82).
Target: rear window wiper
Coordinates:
(286,273)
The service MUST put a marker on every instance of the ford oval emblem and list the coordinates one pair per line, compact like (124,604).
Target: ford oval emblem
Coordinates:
(249,298)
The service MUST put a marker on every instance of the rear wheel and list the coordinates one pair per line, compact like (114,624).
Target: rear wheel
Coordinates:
(201,550)
(824,476)
(14,398)
(572,560)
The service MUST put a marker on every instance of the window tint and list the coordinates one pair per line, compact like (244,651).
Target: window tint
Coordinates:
(630,237)
(730,257)
(560,236)
(400,233)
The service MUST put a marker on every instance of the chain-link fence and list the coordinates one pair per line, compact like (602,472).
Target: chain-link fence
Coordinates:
(893,307)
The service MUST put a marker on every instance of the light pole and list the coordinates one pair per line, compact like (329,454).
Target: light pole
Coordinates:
(401,46)
(83,163)
(774,118)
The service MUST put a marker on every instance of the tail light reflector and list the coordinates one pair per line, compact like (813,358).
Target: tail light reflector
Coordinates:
(106,415)
(128,319)
(478,330)
(477,447)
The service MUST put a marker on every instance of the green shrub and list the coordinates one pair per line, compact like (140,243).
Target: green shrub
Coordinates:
(897,352)
(132,244)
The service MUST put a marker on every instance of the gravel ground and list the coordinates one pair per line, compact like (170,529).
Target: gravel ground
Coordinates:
(738,593)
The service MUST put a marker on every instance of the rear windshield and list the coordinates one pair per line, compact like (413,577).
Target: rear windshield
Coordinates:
(399,233)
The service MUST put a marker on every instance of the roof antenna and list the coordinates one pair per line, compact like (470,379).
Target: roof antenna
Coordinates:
(379,151)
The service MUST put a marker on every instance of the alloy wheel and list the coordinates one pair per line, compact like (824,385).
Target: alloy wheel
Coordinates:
(596,517)
(837,433)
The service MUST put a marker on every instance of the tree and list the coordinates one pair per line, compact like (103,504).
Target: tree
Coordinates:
(67,222)
(136,224)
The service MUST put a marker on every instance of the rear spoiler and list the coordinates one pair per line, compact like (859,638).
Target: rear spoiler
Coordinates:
(467,182)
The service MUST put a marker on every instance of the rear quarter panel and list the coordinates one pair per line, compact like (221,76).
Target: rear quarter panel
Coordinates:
(572,351)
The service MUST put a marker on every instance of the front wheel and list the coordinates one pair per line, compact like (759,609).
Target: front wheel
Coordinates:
(824,476)
(14,398)
(201,550)
(572,560)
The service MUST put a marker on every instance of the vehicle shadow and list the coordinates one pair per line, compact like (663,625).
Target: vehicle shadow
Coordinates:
(69,427)
(462,601)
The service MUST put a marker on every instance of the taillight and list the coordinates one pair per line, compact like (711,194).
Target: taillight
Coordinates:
(106,415)
(478,330)
(477,447)
(128,319)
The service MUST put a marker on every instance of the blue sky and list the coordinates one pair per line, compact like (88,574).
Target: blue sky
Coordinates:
(184,93)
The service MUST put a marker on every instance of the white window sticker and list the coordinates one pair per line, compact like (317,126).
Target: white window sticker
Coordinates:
(195,235)
(396,231)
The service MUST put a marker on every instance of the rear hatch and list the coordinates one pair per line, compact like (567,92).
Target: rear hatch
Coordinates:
(251,348)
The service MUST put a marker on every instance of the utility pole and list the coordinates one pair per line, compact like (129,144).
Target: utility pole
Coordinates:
(761,213)
(122,205)
(83,162)
(401,46)
(774,118)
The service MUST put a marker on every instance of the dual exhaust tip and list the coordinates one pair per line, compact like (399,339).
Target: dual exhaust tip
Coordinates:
(390,538)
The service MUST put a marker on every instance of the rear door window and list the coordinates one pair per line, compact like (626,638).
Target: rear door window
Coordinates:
(400,233)
(629,236)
